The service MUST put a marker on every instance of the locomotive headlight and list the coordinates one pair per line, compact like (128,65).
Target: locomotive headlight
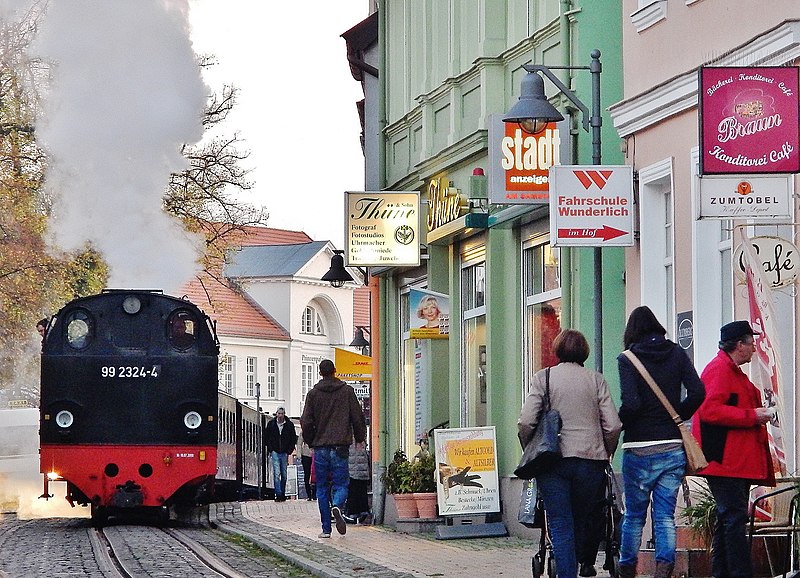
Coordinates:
(192,420)
(53,476)
(131,305)
(64,418)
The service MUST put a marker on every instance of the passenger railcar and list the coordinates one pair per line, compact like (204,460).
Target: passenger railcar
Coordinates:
(239,452)
(129,401)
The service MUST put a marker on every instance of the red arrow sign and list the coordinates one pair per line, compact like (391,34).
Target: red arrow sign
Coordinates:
(606,233)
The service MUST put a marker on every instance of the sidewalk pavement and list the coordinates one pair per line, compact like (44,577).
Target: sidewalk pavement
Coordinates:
(290,529)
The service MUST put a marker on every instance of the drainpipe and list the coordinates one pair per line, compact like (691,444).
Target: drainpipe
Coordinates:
(566,252)
(378,489)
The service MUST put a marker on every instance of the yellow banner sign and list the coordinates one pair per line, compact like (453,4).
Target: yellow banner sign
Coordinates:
(350,365)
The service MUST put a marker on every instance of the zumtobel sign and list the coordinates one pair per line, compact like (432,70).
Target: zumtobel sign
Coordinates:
(749,120)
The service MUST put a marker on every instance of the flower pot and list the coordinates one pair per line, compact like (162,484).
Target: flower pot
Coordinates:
(426,504)
(406,506)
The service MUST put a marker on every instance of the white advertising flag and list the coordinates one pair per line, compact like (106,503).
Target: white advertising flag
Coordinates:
(765,365)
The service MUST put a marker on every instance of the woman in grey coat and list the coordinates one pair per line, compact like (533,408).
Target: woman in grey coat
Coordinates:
(357,505)
(589,435)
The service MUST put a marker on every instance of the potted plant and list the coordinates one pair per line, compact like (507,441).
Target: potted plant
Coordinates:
(399,480)
(423,471)
(701,516)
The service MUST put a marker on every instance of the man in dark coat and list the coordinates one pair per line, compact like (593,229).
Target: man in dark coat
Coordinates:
(281,439)
(730,426)
(332,418)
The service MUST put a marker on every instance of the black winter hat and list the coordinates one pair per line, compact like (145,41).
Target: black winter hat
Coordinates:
(735,330)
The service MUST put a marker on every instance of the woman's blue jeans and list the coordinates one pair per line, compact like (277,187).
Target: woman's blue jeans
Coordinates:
(657,476)
(571,490)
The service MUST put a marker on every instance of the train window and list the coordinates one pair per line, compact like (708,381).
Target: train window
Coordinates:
(182,326)
(79,328)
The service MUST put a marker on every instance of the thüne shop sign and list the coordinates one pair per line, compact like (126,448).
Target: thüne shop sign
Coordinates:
(445,203)
(749,120)
(520,162)
(382,228)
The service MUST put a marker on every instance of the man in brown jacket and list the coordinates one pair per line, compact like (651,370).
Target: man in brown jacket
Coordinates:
(332,418)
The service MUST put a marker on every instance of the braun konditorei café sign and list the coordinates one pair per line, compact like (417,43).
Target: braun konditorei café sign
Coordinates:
(382,228)
(749,120)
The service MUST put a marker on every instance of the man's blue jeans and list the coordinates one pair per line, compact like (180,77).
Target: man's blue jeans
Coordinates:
(730,548)
(658,476)
(280,463)
(570,492)
(332,474)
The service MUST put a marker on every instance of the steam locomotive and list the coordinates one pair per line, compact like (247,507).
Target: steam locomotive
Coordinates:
(130,413)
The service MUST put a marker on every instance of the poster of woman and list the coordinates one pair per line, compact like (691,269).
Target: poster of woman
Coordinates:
(429,314)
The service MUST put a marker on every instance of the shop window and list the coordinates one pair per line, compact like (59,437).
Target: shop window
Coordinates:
(306,380)
(227,365)
(657,261)
(272,378)
(312,322)
(712,272)
(474,366)
(541,275)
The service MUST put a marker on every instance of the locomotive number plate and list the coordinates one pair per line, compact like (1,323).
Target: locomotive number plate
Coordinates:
(134,371)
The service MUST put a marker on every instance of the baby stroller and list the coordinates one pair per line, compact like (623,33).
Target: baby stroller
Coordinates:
(543,559)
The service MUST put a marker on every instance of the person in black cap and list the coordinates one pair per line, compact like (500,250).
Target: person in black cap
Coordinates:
(730,426)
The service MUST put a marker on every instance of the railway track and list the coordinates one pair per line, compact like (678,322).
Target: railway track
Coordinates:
(135,551)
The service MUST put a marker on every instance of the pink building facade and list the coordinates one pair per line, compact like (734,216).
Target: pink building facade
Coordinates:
(683,266)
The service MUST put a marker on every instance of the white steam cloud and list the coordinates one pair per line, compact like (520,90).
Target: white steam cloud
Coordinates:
(125,94)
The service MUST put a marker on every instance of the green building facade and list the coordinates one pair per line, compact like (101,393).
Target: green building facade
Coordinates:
(448,68)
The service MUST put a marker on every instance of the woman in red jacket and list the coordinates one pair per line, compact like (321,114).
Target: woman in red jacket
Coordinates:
(730,428)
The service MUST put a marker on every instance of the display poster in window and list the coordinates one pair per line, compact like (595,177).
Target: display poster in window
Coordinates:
(382,229)
(749,120)
(466,479)
(429,314)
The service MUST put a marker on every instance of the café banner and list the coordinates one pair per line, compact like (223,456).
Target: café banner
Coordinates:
(749,120)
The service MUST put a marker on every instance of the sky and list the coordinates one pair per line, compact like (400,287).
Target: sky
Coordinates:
(289,62)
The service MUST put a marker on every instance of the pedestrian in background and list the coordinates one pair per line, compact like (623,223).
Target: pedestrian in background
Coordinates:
(332,418)
(281,439)
(731,428)
(358,490)
(306,457)
(589,436)
(653,459)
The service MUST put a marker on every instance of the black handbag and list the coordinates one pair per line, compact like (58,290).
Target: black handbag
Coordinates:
(543,450)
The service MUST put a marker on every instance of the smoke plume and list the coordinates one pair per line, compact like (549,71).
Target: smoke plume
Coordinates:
(125,94)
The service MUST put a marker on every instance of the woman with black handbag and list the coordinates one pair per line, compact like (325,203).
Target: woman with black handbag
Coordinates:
(653,459)
(572,485)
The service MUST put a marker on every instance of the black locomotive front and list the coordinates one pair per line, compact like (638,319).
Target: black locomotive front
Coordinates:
(129,399)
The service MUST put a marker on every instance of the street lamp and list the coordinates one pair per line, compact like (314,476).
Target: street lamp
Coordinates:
(337,275)
(260,438)
(360,341)
(532,112)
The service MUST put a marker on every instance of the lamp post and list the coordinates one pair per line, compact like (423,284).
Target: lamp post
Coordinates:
(259,447)
(532,112)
